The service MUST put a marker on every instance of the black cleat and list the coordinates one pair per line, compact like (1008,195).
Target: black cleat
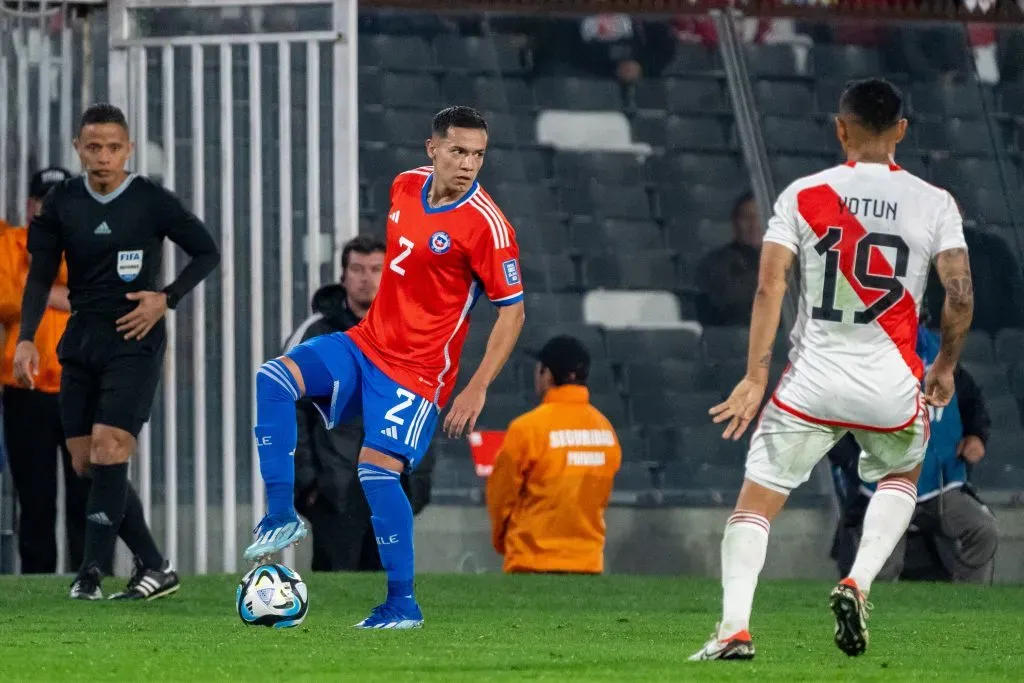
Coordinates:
(86,585)
(851,611)
(149,584)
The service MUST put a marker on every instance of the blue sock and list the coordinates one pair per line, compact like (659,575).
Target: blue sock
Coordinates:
(392,525)
(276,434)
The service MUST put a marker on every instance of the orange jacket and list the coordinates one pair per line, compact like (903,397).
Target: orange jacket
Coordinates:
(13,272)
(551,483)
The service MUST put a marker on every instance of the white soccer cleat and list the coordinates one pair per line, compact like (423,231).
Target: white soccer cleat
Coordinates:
(737,646)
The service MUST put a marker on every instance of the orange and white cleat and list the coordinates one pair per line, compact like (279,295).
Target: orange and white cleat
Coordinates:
(737,646)
(851,609)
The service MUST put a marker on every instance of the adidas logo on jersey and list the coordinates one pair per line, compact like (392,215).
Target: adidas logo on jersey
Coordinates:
(394,216)
(102,229)
(391,431)
(99,518)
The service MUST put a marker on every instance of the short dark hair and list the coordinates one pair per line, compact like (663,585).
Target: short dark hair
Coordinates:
(875,102)
(103,113)
(458,117)
(361,244)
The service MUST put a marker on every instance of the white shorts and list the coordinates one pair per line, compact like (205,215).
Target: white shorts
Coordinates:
(785,448)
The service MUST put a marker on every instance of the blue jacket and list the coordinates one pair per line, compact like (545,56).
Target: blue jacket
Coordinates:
(942,468)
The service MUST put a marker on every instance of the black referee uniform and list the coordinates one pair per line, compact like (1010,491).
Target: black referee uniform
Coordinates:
(113,245)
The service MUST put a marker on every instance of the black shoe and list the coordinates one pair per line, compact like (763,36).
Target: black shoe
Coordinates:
(149,584)
(851,610)
(86,585)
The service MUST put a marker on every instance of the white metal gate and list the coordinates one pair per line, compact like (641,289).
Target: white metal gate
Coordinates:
(255,128)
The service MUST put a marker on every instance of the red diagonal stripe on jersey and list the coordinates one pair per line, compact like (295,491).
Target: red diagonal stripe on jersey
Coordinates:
(821,207)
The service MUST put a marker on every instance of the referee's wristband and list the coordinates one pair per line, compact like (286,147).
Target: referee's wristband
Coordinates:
(172,298)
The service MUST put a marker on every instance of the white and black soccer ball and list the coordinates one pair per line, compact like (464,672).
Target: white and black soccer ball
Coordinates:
(272,595)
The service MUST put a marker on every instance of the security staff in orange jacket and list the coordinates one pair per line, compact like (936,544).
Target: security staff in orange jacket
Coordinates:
(32,427)
(553,476)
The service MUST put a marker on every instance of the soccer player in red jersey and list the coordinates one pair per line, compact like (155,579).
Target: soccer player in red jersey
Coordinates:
(448,244)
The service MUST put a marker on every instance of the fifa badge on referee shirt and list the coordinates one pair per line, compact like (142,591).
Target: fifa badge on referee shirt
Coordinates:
(129,264)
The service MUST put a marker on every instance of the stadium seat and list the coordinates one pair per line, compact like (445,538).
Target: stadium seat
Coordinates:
(1017,380)
(771,60)
(547,309)
(786,169)
(501,409)
(509,129)
(939,100)
(993,379)
(537,235)
(958,175)
(524,199)
(669,373)
(795,135)
(978,348)
(722,170)
(1010,346)
(489,92)
(419,91)
(622,237)
(549,272)
(845,62)
(402,127)
(454,468)
(626,345)
(681,96)
(1002,467)
(703,134)
(634,448)
(513,165)
(974,137)
(369,87)
(606,168)
(1004,412)
(687,205)
(613,408)
(396,53)
(1011,98)
(827,94)
(491,54)
(577,94)
(991,205)
(724,343)
(535,336)
(638,270)
(628,202)
(670,408)
(691,59)
(784,98)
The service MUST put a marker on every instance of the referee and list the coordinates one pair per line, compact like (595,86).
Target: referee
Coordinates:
(110,226)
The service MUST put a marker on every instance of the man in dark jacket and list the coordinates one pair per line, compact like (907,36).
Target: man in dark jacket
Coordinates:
(327,491)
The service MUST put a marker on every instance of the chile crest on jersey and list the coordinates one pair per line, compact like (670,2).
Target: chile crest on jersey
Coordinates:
(440,242)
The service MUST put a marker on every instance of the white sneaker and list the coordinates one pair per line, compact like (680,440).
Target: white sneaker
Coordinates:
(737,646)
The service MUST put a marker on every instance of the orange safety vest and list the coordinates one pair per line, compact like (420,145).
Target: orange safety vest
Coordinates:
(13,273)
(551,483)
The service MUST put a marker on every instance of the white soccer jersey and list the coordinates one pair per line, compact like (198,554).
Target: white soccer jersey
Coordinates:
(865,235)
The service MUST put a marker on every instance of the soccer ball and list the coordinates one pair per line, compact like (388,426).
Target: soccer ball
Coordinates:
(272,595)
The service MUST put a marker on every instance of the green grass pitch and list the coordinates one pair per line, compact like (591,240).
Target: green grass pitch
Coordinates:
(492,627)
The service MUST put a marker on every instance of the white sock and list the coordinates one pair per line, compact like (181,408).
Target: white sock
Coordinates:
(886,520)
(744,547)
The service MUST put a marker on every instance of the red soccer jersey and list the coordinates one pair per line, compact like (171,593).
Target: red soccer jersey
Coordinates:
(438,263)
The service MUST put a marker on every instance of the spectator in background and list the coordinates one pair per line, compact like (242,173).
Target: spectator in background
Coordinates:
(998,284)
(327,491)
(727,277)
(32,425)
(603,45)
(952,535)
(553,476)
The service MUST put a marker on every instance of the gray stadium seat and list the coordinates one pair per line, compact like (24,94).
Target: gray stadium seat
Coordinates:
(1010,346)
(607,168)
(771,60)
(990,205)
(978,348)
(509,129)
(626,345)
(684,206)
(500,409)
(608,201)
(670,408)
(959,175)
(786,169)
(827,94)
(453,471)
(524,199)
(553,308)
(584,94)
(842,62)
(534,336)
(993,379)
(634,449)
(489,93)
(974,137)
(681,95)
(536,235)
(693,59)
(1002,467)
(601,380)
(617,236)
(1011,98)
(706,134)
(638,270)
(947,100)
(723,170)
(784,98)
(513,165)
(369,87)
(796,135)
(724,343)
(669,373)
(929,135)
(419,91)
(1004,413)
(548,272)
(492,54)
(404,127)
(396,53)
(613,408)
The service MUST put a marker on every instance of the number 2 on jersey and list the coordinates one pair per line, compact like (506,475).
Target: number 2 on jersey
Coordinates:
(829,246)
(407,243)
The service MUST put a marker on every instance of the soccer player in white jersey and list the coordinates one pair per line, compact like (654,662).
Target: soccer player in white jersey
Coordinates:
(864,235)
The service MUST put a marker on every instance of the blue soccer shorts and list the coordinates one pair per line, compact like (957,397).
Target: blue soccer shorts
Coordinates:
(343,383)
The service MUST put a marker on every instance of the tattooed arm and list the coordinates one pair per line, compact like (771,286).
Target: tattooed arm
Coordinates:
(776,262)
(954,271)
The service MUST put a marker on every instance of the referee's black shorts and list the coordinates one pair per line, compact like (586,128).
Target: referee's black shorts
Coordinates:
(106,379)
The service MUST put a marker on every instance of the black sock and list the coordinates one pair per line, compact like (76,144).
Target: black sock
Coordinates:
(136,534)
(104,512)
